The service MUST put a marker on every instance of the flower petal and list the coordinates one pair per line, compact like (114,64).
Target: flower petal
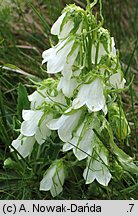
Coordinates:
(36,99)
(58,181)
(91,95)
(46,182)
(56,57)
(66,29)
(67,86)
(55,30)
(55,124)
(32,118)
(116,81)
(67,128)
(85,145)
(96,169)
(43,131)
(24,145)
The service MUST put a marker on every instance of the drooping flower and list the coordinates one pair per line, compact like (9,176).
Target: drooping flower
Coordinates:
(117,81)
(65,125)
(36,99)
(81,143)
(97,168)
(43,131)
(24,145)
(91,95)
(31,120)
(67,86)
(56,57)
(53,179)
(66,28)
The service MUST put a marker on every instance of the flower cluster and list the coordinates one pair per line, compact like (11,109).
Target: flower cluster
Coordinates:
(78,101)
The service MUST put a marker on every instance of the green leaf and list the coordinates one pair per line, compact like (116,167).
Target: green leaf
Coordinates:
(125,160)
(23,102)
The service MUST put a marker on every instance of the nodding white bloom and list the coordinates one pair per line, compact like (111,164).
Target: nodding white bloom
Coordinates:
(67,86)
(82,142)
(40,96)
(91,95)
(31,120)
(36,99)
(67,70)
(53,179)
(56,57)
(65,125)
(43,131)
(97,169)
(101,52)
(24,145)
(33,125)
(66,28)
(116,80)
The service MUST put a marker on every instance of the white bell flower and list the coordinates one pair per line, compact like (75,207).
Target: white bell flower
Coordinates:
(55,30)
(56,57)
(67,70)
(90,95)
(31,120)
(66,29)
(36,99)
(24,145)
(65,125)
(43,131)
(53,179)
(82,144)
(96,169)
(116,81)
(67,86)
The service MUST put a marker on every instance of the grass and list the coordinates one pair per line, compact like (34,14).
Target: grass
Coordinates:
(21,44)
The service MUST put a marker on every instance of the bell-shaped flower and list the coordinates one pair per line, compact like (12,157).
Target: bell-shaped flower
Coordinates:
(43,131)
(36,99)
(65,125)
(82,142)
(53,179)
(66,28)
(31,120)
(67,70)
(90,95)
(56,57)
(117,81)
(24,145)
(67,86)
(97,168)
